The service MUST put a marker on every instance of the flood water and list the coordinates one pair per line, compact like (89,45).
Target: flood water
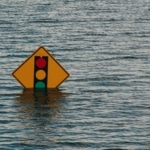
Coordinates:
(105,47)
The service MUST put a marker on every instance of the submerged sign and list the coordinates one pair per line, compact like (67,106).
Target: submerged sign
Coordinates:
(40,70)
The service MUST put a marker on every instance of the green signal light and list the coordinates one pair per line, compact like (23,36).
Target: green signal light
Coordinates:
(40,85)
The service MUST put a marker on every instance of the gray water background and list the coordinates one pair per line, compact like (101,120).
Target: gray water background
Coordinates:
(105,46)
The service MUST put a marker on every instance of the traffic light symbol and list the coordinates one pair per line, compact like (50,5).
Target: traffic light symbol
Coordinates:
(40,72)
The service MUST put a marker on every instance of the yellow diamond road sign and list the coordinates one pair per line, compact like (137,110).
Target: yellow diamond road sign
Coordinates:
(40,70)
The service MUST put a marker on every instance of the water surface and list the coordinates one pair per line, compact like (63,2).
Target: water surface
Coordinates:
(105,46)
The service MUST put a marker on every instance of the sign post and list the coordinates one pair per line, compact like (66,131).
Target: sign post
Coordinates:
(40,70)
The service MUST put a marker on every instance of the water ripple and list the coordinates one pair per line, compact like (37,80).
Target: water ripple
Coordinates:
(104,104)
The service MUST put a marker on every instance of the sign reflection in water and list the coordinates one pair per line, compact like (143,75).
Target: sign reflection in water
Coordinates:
(40,114)
(41,103)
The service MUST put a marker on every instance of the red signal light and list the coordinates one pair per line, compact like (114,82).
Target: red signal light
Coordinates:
(41,62)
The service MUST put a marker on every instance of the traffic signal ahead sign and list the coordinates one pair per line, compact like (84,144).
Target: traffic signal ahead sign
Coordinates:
(40,70)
